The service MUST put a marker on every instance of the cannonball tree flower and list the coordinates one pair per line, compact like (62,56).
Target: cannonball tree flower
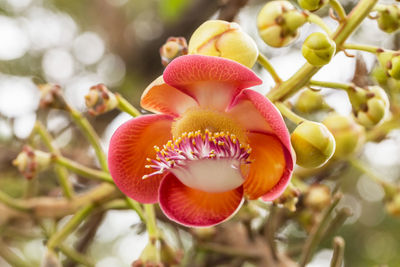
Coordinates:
(211,143)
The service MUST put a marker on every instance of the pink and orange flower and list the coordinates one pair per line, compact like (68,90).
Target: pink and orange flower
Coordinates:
(211,143)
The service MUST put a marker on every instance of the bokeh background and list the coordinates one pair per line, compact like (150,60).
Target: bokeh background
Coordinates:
(78,44)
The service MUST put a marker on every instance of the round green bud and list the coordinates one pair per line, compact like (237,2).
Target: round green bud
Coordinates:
(374,109)
(389,18)
(349,136)
(278,23)
(318,49)
(311,5)
(390,62)
(310,101)
(379,74)
(394,70)
(313,143)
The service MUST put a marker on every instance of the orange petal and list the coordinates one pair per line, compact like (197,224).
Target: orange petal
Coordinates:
(159,97)
(130,145)
(267,167)
(193,207)
(213,81)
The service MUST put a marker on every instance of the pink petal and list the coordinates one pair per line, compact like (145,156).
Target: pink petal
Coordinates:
(213,81)
(130,145)
(197,208)
(258,115)
(159,97)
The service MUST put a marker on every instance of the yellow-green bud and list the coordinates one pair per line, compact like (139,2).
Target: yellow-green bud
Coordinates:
(313,143)
(310,101)
(379,74)
(389,18)
(349,136)
(30,162)
(173,48)
(311,5)
(370,105)
(317,197)
(278,23)
(51,96)
(391,63)
(318,49)
(224,39)
(150,256)
(100,100)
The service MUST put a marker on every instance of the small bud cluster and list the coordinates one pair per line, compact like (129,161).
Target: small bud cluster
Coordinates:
(390,62)
(51,96)
(278,23)
(173,48)
(370,105)
(30,162)
(100,100)
(389,18)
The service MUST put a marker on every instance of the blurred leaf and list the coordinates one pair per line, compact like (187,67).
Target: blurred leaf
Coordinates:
(170,10)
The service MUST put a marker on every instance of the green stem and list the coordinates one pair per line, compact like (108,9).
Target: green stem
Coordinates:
(338,252)
(337,6)
(390,189)
(91,136)
(61,172)
(312,18)
(56,239)
(304,74)
(333,85)
(288,113)
(361,47)
(316,233)
(125,106)
(268,67)
(13,203)
(338,221)
(380,7)
(76,256)
(136,207)
(9,256)
(151,222)
(83,170)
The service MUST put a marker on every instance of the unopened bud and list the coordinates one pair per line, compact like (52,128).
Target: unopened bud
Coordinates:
(349,136)
(318,49)
(317,197)
(100,100)
(311,5)
(224,39)
(313,143)
(278,23)
(51,96)
(169,256)
(391,63)
(310,101)
(150,257)
(289,198)
(173,48)
(30,162)
(389,18)
(370,105)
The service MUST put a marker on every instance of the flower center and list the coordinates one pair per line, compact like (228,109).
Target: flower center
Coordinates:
(210,162)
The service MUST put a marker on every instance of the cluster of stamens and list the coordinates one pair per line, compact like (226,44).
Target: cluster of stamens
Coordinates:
(195,146)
